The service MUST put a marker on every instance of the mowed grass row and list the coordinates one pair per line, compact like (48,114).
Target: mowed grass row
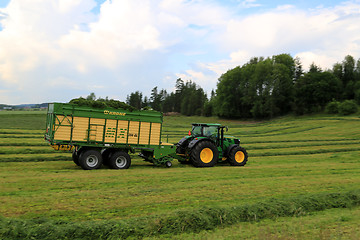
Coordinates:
(300,136)
(37,157)
(279,137)
(337,223)
(26,149)
(61,190)
(39,141)
(288,157)
(205,218)
(10,147)
(66,207)
(293,136)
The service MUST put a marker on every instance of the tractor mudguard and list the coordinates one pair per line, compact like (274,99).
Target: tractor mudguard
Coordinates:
(195,141)
(181,145)
(228,150)
(182,141)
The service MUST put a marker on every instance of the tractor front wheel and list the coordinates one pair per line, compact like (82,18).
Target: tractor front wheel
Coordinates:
(204,154)
(238,156)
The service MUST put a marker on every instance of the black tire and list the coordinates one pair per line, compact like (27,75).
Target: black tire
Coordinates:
(238,156)
(75,158)
(181,145)
(106,154)
(119,160)
(90,159)
(168,164)
(204,154)
(184,162)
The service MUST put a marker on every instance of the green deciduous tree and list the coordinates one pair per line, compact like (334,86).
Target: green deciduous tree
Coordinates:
(349,74)
(315,89)
(262,88)
(192,99)
(155,99)
(135,100)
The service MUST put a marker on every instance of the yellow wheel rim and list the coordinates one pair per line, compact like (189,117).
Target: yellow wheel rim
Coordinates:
(206,155)
(239,156)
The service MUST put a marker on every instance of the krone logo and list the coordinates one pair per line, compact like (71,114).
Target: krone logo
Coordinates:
(107,112)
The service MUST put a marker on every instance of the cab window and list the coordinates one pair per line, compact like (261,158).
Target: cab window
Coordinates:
(196,131)
(210,131)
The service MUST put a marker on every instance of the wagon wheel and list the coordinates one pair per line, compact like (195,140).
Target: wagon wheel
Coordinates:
(75,157)
(90,159)
(119,160)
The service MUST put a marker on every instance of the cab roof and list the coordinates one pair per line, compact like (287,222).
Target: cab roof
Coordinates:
(207,124)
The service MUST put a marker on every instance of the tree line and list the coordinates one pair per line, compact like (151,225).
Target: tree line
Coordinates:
(261,88)
(188,99)
(265,88)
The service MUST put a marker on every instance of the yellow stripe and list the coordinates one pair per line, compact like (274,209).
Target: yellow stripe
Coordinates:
(133,132)
(81,125)
(144,133)
(64,130)
(110,131)
(155,134)
(122,131)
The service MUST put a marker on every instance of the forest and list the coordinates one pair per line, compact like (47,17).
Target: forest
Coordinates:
(264,88)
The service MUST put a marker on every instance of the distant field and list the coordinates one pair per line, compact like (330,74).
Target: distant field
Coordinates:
(33,120)
(288,157)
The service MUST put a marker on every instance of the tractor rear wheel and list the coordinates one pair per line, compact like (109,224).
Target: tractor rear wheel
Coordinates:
(204,154)
(238,156)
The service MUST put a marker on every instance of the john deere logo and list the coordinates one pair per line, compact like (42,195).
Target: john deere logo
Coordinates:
(107,112)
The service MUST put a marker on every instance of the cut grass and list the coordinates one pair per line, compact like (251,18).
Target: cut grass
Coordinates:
(38,157)
(20,131)
(21,136)
(304,150)
(61,190)
(184,221)
(289,157)
(27,150)
(328,224)
(27,120)
(290,144)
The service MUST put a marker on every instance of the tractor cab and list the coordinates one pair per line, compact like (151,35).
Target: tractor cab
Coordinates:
(212,131)
(205,129)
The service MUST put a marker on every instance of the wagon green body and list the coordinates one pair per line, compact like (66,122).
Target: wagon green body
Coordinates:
(104,132)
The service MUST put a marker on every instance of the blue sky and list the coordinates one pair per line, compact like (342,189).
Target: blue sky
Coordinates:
(61,49)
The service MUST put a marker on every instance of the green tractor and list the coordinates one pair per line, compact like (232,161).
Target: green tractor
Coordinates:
(206,145)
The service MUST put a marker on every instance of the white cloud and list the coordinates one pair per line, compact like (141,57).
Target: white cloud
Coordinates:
(323,36)
(249,4)
(200,77)
(57,50)
(236,59)
(308,58)
(30,32)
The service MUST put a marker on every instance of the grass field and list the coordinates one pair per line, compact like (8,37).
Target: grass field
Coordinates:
(289,158)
